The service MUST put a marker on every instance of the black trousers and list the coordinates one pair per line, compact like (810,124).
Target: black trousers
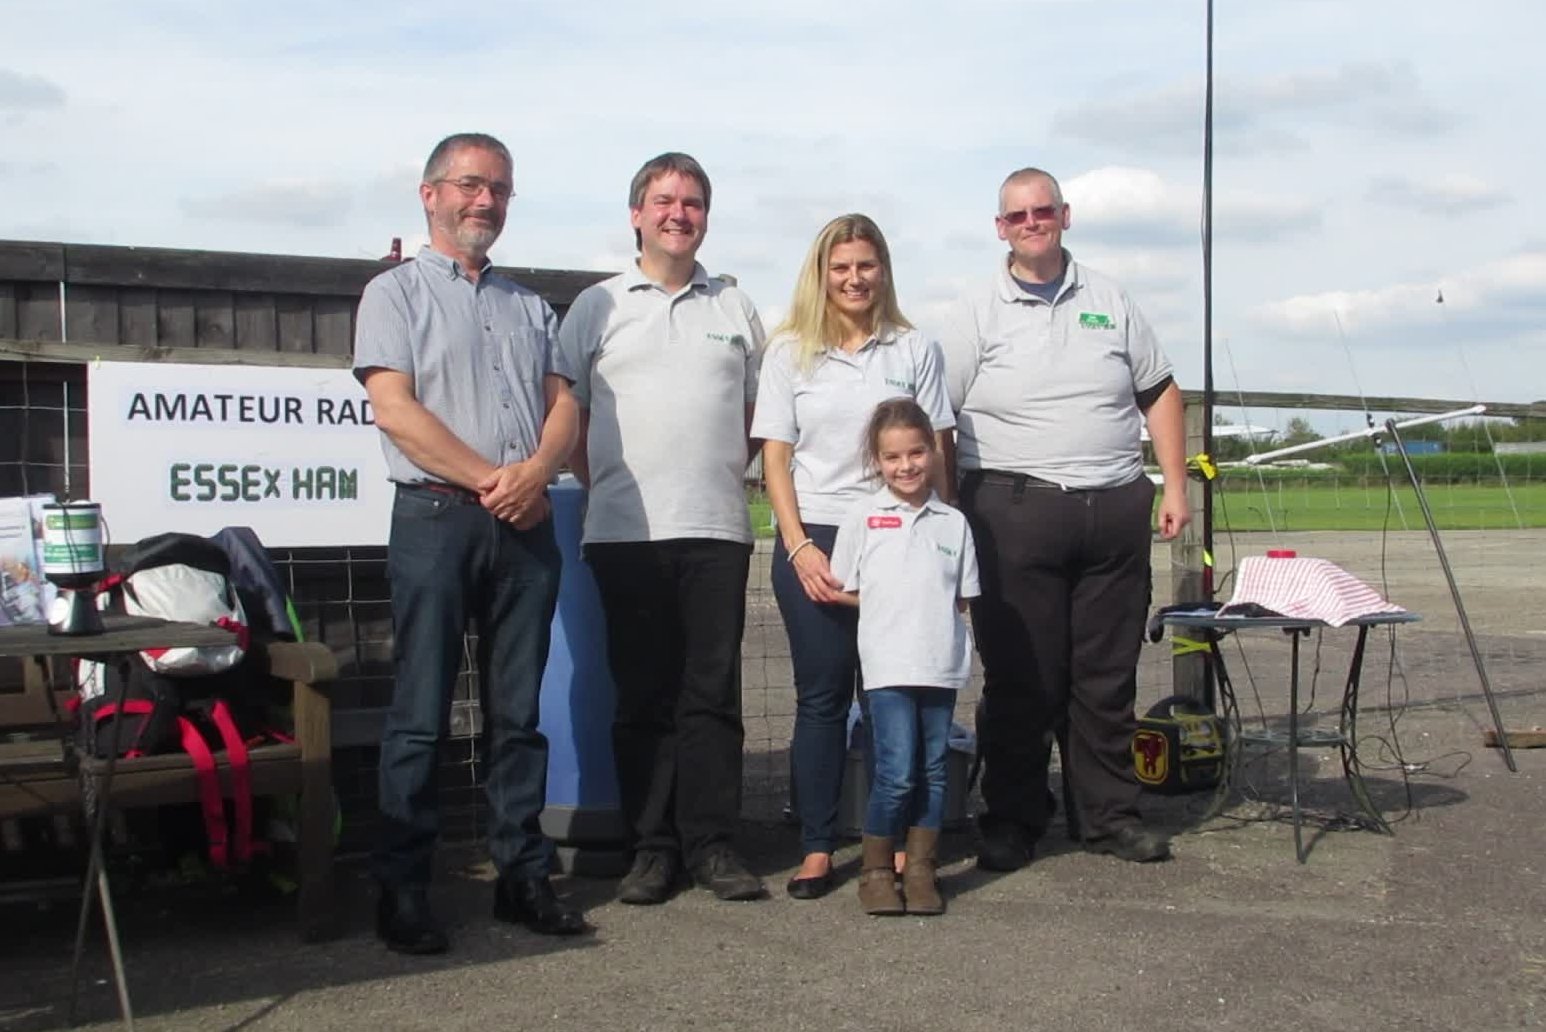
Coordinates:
(1065,593)
(675,611)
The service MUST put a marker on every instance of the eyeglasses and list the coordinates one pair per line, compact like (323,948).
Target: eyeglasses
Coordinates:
(472,186)
(1041,213)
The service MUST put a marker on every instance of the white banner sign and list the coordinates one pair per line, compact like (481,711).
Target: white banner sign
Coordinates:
(291,453)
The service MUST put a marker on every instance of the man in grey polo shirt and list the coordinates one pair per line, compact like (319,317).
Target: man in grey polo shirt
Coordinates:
(663,360)
(456,360)
(1052,370)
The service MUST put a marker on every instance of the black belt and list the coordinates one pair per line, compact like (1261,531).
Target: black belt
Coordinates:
(1018,481)
(460,494)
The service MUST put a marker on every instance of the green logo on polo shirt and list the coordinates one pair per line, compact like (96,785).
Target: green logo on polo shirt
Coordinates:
(905,385)
(1096,321)
(945,550)
(735,340)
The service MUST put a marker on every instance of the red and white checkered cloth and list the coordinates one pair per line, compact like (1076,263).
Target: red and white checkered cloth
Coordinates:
(1311,589)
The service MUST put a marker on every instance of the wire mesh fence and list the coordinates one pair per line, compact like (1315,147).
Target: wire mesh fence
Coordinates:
(42,429)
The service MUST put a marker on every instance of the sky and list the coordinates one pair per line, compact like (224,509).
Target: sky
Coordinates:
(1370,156)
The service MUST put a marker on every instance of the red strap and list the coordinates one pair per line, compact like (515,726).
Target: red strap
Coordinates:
(241,777)
(236,627)
(209,791)
(141,708)
(131,707)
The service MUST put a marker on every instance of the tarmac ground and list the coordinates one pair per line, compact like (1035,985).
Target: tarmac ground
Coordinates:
(1438,926)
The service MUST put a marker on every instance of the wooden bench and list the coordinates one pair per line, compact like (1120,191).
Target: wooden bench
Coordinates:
(39,775)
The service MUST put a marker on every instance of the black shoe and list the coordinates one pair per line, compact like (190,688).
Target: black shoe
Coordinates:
(1004,847)
(725,875)
(405,924)
(650,880)
(531,902)
(809,888)
(1131,842)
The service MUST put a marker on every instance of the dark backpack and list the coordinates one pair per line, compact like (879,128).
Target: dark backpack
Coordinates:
(227,710)
(199,716)
(139,719)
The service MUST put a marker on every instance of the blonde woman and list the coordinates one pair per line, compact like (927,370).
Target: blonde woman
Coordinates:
(843,348)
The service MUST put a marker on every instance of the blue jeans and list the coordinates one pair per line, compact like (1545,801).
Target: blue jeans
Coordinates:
(824,653)
(910,729)
(449,561)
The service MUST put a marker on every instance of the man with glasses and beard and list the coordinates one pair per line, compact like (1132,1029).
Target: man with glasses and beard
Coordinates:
(457,362)
(1052,370)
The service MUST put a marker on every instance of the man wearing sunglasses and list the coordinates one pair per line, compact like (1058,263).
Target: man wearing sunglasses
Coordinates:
(458,365)
(1052,371)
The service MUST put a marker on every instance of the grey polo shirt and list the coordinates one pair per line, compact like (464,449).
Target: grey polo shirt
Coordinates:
(823,412)
(666,378)
(477,353)
(1049,390)
(909,566)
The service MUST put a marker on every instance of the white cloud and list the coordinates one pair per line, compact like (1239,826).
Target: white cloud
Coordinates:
(292,202)
(308,203)
(1145,272)
(1445,194)
(1261,113)
(29,92)
(1496,291)
(23,169)
(1349,86)
(1138,206)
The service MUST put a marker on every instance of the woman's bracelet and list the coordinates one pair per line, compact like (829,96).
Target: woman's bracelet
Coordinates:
(796,549)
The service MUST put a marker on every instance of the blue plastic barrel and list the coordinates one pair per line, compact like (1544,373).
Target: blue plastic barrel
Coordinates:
(582,814)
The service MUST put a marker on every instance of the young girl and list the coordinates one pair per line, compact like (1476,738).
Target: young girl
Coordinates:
(907,559)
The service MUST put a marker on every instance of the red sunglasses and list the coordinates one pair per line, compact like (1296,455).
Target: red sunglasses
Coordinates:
(1041,213)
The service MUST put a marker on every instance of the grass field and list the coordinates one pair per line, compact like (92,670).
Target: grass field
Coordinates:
(1336,505)
(1331,504)
(762,513)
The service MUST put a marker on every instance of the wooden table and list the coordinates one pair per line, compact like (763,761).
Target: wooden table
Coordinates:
(122,636)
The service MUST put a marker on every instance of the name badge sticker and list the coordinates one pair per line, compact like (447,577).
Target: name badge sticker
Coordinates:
(884,522)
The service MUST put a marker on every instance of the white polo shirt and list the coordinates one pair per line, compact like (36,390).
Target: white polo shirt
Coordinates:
(1050,390)
(823,412)
(666,378)
(909,567)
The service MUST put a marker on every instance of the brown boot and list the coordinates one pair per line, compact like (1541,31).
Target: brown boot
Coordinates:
(919,879)
(877,878)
